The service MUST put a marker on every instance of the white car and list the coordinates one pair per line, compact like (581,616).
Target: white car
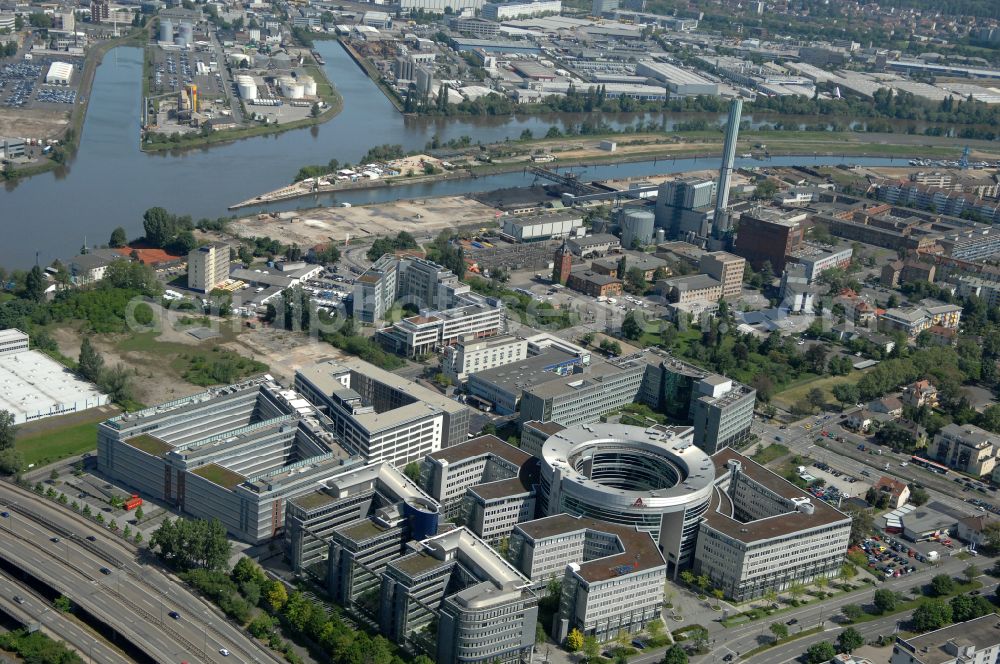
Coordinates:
(223,652)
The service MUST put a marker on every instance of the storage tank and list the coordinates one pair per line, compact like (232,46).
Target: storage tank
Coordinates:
(236,59)
(661,234)
(185,35)
(247,88)
(166,30)
(637,228)
(308,85)
(291,88)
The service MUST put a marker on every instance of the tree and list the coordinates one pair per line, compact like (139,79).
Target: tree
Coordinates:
(919,496)
(655,629)
(862,525)
(852,612)
(192,543)
(139,514)
(631,329)
(275,595)
(885,600)
(591,648)
(158,226)
(970,573)
(412,471)
(675,655)
(820,653)
(7,430)
(932,614)
(90,364)
(34,285)
(11,462)
(942,584)
(62,604)
(118,238)
(780,630)
(850,640)
(816,398)
(574,640)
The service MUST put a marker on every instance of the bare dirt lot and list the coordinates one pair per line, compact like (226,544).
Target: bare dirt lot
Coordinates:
(33,123)
(420,217)
(282,351)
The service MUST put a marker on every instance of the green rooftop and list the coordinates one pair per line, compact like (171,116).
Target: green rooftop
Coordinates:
(149,444)
(416,564)
(310,501)
(363,530)
(216,474)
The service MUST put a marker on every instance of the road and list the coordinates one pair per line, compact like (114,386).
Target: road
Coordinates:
(133,592)
(36,610)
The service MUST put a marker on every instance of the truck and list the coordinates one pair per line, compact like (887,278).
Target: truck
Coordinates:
(133,502)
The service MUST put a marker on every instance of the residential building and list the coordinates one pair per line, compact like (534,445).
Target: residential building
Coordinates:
(897,491)
(514,9)
(966,448)
(208,266)
(89,268)
(653,479)
(726,268)
(911,321)
(381,416)
(762,533)
(612,575)
(235,453)
(975,641)
(938,335)
(475,355)
(768,235)
(985,289)
(972,529)
(919,394)
(890,405)
(484,609)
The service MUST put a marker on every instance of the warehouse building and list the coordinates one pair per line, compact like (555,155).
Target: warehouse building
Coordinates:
(381,416)
(543,226)
(505,11)
(60,73)
(234,453)
(34,386)
(678,81)
(762,533)
(612,576)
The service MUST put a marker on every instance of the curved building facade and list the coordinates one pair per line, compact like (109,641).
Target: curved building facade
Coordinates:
(652,479)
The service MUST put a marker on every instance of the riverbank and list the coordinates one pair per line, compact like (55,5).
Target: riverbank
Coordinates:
(632,148)
(73,134)
(325,90)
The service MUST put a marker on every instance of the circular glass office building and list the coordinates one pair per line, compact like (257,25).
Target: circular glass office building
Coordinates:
(654,479)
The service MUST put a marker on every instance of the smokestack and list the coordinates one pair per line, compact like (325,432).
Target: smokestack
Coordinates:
(728,157)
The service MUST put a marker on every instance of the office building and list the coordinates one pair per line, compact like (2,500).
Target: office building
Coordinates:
(767,235)
(235,453)
(439,6)
(350,496)
(691,288)
(431,331)
(612,575)
(381,416)
(975,641)
(655,480)
(595,284)
(484,609)
(762,533)
(475,355)
(500,389)
(911,321)
(393,280)
(726,268)
(817,260)
(796,293)
(486,484)
(535,433)
(966,448)
(514,9)
(208,266)
(475,26)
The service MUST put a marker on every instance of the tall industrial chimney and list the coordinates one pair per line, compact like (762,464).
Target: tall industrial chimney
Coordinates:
(728,157)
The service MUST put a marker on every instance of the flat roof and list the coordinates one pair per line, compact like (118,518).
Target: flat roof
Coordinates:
(929,648)
(488,444)
(526,373)
(560,385)
(312,500)
(34,385)
(216,474)
(149,444)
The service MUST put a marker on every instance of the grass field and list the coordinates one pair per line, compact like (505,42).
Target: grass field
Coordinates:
(798,390)
(45,447)
(770,453)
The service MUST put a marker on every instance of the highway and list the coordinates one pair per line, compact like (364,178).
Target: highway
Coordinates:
(37,610)
(136,597)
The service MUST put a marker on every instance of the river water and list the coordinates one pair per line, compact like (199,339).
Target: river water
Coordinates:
(111,183)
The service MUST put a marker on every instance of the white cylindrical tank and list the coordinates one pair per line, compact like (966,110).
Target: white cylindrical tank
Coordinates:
(247,88)
(661,234)
(291,88)
(185,34)
(637,228)
(166,30)
(308,85)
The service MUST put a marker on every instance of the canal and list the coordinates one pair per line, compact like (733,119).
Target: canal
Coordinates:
(111,183)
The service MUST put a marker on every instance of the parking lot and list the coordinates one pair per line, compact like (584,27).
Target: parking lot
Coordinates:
(846,484)
(22,85)
(894,557)
(174,69)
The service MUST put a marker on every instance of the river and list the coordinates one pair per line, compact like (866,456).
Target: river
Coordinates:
(111,182)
